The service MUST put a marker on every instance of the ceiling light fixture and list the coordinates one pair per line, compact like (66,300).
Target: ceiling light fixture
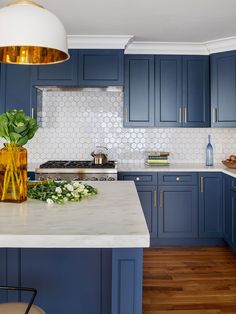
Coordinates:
(30,34)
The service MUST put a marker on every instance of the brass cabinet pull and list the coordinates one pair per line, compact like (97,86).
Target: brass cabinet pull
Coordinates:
(185,114)
(137,179)
(32,112)
(177,178)
(214,115)
(161,199)
(180,115)
(201,185)
(155,198)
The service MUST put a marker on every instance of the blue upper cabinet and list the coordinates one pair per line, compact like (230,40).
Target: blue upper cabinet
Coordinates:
(168,90)
(210,205)
(61,74)
(223,92)
(139,91)
(16,91)
(196,104)
(101,67)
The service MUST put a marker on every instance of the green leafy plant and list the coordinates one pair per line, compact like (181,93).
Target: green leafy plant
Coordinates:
(17,127)
(52,191)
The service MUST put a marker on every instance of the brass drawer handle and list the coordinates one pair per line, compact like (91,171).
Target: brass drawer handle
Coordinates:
(155,199)
(161,199)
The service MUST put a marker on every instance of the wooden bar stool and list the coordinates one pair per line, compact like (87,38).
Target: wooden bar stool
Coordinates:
(18,307)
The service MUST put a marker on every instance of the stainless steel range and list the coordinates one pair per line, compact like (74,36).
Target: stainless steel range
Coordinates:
(77,170)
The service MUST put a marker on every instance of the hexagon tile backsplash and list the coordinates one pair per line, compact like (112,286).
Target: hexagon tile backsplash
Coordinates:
(74,122)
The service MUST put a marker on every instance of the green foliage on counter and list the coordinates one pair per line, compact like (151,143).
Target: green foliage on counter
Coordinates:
(17,127)
(52,191)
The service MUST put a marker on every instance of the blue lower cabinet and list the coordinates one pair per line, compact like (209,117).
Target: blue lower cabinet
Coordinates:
(210,205)
(178,212)
(227,210)
(148,199)
(3,274)
(233,211)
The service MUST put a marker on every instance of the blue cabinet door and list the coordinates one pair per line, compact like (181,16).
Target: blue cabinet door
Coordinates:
(139,91)
(227,217)
(67,278)
(233,211)
(178,212)
(196,104)
(210,205)
(168,91)
(61,74)
(101,67)
(16,90)
(148,199)
(223,96)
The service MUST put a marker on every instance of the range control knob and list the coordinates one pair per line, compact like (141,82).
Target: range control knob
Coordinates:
(57,178)
(93,179)
(75,179)
(103,179)
(111,179)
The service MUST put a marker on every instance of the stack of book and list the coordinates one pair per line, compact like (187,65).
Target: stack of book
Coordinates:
(157,159)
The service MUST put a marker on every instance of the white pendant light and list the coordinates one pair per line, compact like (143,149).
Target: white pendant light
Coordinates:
(30,34)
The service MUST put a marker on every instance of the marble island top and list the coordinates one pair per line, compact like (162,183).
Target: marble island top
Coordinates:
(112,218)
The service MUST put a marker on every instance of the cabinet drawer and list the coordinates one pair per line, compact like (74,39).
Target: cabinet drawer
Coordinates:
(177,178)
(233,184)
(140,178)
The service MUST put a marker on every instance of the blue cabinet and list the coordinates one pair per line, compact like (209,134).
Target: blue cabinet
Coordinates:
(196,103)
(101,67)
(61,74)
(227,218)
(146,184)
(16,91)
(139,91)
(182,91)
(210,205)
(168,91)
(148,199)
(177,212)
(223,96)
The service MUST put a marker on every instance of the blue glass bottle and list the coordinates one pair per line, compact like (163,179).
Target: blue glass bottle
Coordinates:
(209,153)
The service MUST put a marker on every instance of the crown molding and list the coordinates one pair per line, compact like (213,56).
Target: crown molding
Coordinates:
(221,45)
(182,48)
(98,41)
(139,47)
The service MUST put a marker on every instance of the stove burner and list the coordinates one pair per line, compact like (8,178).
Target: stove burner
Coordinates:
(75,164)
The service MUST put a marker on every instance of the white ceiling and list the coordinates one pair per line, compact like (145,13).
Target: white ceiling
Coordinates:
(147,20)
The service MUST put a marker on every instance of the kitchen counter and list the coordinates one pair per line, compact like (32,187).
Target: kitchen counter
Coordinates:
(107,220)
(184,167)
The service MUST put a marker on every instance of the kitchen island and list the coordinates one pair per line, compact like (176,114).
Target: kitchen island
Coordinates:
(82,257)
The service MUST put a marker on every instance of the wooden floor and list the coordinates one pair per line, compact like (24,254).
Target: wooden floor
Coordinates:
(189,281)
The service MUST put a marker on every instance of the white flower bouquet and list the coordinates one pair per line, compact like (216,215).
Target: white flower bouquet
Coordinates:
(59,192)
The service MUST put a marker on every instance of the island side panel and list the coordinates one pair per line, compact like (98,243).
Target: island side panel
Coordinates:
(127,274)
(3,274)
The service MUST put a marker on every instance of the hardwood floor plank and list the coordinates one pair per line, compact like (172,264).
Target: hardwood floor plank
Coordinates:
(189,281)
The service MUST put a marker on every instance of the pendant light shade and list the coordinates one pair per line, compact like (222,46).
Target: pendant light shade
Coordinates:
(30,34)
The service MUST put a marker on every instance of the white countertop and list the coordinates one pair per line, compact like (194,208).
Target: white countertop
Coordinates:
(112,218)
(185,167)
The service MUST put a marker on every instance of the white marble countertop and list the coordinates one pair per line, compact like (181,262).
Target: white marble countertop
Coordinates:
(112,218)
(184,167)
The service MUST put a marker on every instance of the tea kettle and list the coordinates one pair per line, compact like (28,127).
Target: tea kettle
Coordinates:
(100,155)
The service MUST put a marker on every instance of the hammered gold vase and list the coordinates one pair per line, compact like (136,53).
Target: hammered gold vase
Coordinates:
(13,173)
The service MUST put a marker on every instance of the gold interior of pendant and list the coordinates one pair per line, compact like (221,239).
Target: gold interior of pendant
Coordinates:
(25,2)
(31,55)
